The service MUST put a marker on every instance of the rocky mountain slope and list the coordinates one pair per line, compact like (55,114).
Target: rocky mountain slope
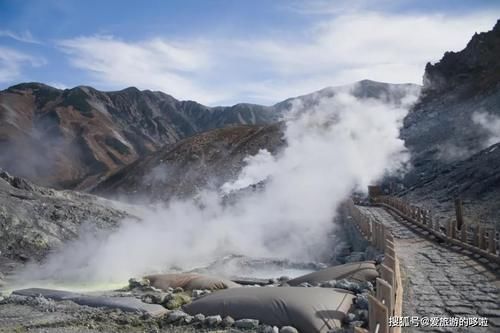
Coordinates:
(452,131)
(62,138)
(35,220)
(71,138)
(209,159)
(206,160)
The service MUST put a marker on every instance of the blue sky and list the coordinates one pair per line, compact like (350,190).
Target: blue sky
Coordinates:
(228,51)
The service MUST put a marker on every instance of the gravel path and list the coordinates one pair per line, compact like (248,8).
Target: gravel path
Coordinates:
(439,281)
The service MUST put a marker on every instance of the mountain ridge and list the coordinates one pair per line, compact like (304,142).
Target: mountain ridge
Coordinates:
(70,138)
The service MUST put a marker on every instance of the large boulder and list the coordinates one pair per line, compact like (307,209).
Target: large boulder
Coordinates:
(189,281)
(314,310)
(357,271)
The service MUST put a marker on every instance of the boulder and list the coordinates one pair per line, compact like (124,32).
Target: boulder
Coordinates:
(175,316)
(213,321)
(288,329)
(228,321)
(247,324)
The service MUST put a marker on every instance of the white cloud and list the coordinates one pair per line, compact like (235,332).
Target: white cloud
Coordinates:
(336,50)
(24,36)
(12,61)
(152,64)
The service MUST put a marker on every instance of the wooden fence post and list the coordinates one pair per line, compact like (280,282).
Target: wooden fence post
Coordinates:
(492,244)
(475,238)
(437,226)
(482,244)
(378,315)
(382,237)
(448,228)
(463,233)
(387,274)
(385,294)
(459,213)
(389,249)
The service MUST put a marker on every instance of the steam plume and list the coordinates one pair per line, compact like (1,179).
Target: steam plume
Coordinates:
(339,144)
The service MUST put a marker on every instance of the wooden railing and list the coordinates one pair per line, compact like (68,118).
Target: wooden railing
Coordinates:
(475,237)
(388,300)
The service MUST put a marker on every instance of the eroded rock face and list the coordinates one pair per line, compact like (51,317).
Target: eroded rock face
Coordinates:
(451,132)
(474,69)
(34,219)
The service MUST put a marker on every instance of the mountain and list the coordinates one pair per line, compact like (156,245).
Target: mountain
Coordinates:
(65,138)
(453,130)
(202,161)
(209,159)
(73,138)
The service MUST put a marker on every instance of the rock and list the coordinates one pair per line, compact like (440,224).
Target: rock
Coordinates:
(200,317)
(347,285)
(349,317)
(361,314)
(361,301)
(213,321)
(138,283)
(196,293)
(328,284)
(379,259)
(305,284)
(228,321)
(355,257)
(175,316)
(283,278)
(178,290)
(187,320)
(268,329)
(356,323)
(147,299)
(177,300)
(366,286)
(161,298)
(288,329)
(247,324)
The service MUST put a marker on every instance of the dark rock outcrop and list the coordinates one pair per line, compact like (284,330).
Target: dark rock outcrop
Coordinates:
(451,153)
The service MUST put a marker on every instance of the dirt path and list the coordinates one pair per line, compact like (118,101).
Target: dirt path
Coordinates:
(439,281)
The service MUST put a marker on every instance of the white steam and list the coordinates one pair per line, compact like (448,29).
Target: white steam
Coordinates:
(338,145)
(491,123)
(259,167)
